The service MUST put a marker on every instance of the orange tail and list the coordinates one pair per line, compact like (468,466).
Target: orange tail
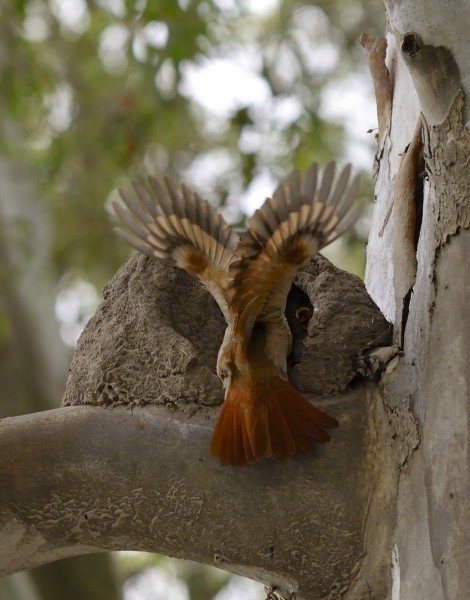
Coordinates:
(267,419)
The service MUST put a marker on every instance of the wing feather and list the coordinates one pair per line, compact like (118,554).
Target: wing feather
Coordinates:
(146,198)
(179,228)
(310,183)
(295,195)
(327,180)
(131,222)
(135,242)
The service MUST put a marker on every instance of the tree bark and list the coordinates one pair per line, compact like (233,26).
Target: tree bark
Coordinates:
(425,391)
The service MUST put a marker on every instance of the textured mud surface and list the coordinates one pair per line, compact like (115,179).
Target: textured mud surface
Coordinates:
(155,337)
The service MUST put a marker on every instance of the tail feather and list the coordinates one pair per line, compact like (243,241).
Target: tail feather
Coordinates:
(247,455)
(258,420)
(282,442)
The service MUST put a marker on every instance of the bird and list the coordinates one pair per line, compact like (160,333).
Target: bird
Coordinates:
(250,276)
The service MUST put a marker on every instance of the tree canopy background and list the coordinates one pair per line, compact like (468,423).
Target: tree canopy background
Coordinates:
(224,96)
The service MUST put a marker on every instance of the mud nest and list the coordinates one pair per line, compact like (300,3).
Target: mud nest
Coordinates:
(154,339)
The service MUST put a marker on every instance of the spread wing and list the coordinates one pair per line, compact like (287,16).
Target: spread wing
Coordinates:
(301,218)
(179,228)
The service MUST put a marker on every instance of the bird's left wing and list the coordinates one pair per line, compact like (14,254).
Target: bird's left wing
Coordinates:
(300,219)
(179,228)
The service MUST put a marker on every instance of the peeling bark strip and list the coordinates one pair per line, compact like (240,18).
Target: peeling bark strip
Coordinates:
(376,48)
(446,154)
(407,197)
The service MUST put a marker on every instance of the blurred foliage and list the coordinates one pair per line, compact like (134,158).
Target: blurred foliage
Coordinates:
(78,577)
(198,581)
(95,92)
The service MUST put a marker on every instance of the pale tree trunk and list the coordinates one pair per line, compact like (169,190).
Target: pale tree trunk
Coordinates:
(423,198)
(35,358)
(382,511)
(34,363)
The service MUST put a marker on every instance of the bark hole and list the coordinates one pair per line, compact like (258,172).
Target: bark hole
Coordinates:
(411,44)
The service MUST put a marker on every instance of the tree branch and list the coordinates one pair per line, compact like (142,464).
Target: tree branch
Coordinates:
(83,479)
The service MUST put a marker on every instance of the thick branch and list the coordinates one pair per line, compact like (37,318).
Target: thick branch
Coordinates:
(82,479)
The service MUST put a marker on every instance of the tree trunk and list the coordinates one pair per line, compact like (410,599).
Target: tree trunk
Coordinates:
(417,272)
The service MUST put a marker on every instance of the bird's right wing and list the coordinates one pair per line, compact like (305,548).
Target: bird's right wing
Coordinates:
(301,218)
(181,229)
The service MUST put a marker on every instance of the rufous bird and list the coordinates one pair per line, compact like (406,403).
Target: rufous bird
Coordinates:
(262,415)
